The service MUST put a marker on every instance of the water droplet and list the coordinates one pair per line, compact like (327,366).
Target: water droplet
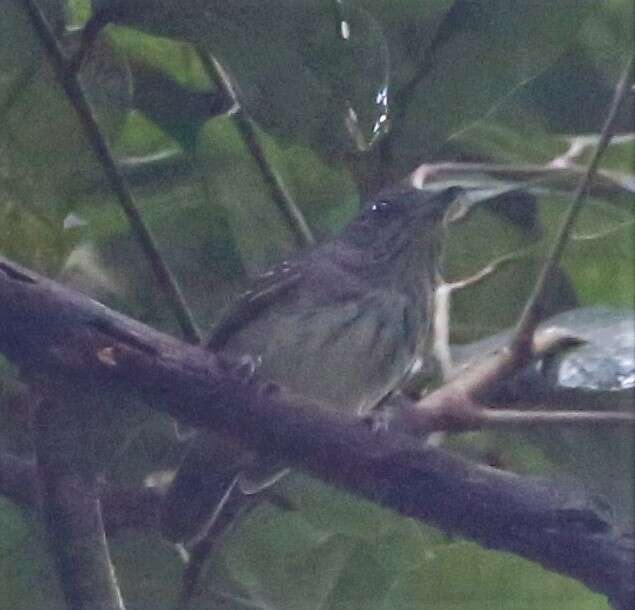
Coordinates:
(345,30)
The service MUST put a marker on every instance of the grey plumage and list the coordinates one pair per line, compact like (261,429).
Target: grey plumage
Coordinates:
(341,324)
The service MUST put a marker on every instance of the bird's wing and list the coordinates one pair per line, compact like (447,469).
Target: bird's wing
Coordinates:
(266,288)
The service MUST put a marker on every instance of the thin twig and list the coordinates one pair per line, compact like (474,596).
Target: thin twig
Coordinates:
(441,326)
(286,205)
(531,313)
(607,184)
(507,418)
(459,414)
(487,270)
(75,93)
(579,145)
(623,226)
(443,304)
(459,398)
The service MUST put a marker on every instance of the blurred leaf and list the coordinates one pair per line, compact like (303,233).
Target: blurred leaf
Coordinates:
(334,551)
(297,73)
(307,562)
(482,52)
(34,237)
(44,157)
(409,28)
(609,39)
(261,234)
(180,111)
(462,576)
(177,60)
(140,138)
(19,46)
(600,257)
(78,12)
(42,140)
(148,571)
(346,514)
(28,577)
(524,142)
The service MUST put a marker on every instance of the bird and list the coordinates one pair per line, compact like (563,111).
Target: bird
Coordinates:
(341,324)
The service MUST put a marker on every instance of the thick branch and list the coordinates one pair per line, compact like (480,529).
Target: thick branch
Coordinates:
(50,330)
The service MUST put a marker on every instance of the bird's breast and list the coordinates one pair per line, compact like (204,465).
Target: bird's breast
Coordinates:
(347,355)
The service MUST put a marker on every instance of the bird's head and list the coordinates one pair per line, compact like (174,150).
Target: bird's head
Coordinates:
(392,223)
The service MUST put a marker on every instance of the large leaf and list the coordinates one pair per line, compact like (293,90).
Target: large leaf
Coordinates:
(27,572)
(301,69)
(44,155)
(46,151)
(450,62)
(341,553)
(482,52)
(485,580)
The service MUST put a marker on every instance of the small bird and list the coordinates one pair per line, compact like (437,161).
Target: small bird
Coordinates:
(341,324)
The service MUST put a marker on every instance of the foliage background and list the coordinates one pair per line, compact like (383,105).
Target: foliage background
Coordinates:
(510,82)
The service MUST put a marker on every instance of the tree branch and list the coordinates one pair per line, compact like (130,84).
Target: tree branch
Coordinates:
(568,177)
(289,210)
(123,507)
(72,512)
(49,330)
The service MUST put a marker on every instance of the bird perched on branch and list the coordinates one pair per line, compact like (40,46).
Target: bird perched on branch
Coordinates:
(341,324)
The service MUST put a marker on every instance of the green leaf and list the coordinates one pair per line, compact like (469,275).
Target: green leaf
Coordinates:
(148,571)
(483,52)
(44,151)
(462,576)
(27,573)
(297,74)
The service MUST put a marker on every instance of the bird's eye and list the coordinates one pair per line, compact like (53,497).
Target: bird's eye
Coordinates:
(381,208)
